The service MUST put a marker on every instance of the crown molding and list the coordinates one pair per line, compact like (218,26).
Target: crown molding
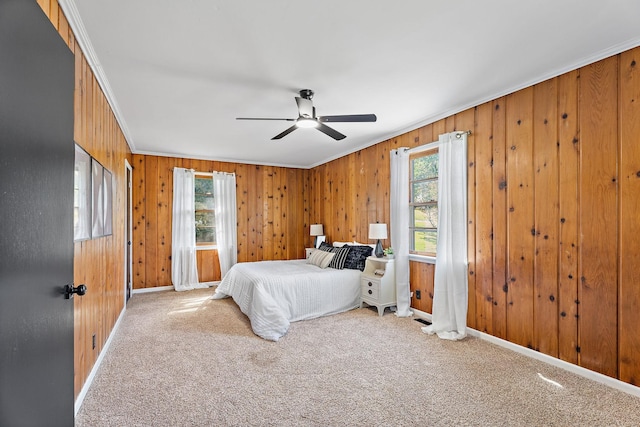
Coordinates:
(82,38)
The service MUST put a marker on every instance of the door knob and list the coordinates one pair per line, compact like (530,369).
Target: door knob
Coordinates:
(69,290)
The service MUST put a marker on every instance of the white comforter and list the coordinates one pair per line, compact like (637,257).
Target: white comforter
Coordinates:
(274,293)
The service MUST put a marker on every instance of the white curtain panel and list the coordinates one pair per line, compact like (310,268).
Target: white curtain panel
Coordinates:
(224,199)
(400,228)
(184,270)
(450,296)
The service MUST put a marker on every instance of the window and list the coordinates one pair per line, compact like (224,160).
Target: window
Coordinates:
(423,204)
(205,214)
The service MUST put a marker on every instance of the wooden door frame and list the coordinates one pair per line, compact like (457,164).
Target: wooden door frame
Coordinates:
(128,232)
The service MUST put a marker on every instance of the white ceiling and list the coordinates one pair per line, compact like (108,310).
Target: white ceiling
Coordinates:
(178,73)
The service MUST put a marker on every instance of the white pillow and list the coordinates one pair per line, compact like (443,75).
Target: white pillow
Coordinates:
(373,246)
(321,259)
(354,243)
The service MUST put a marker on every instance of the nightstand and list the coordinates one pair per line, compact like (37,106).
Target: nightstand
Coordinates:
(378,283)
(307,252)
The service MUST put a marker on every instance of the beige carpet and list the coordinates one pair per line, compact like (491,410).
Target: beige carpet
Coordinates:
(182,359)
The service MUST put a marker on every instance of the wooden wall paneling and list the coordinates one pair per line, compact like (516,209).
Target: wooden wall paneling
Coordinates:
(422,280)
(268,212)
(597,291)
(96,262)
(44,4)
(629,294)
(199,263)
(499,226)
(304,207)
(425,135)
(569,152)
(339,198)
(246,192)
(450,124)
(165,202)
(484,217)
(351,207)
(383,188)
(54,12)
(439,128)
(63,28)
(258,218)
(245,203)
(288,214)
(546,221)
(151,221)
(77,98)
(139,221)
(520,221)
(278,210)
(371,167)
(358,177)
(465,121)
(89,131)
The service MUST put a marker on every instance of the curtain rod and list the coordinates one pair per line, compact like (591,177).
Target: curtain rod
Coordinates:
(211,173)
(434,144)
(462,132)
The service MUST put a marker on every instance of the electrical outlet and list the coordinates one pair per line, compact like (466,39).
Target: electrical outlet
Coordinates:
(93,342)
(418,295)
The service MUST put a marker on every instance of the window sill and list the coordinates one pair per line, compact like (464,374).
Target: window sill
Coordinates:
(206,247)
(422,258)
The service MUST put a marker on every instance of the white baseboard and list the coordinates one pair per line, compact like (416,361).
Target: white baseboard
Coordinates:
(96,366)
(156,289)
(578,370)
(167,288)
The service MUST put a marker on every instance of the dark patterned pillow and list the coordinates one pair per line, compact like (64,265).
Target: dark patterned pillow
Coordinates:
(339,260)
(357,256)
(324,246)
(341,255)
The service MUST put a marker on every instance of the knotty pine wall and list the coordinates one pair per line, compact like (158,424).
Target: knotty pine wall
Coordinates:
(271,211)
(554,174)
(98,263)
(554,201)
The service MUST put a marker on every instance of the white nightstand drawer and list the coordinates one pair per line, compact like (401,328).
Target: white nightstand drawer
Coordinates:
(370,288)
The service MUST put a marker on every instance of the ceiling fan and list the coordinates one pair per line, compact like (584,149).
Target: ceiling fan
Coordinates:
(307,118)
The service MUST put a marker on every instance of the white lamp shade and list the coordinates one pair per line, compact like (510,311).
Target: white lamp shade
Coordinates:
(317,230)
(377,231)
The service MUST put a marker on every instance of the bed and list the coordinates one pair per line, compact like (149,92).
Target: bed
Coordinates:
(275,293)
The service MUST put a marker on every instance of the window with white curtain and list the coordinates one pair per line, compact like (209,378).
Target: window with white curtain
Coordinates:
(423,203)
(204,211)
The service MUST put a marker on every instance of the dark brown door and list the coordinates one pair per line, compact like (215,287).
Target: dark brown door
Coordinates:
(36,219)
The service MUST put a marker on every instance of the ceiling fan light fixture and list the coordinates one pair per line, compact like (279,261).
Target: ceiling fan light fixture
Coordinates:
(305,122)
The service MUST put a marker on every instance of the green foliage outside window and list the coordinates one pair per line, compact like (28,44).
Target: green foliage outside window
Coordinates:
(204,211)
(424,203)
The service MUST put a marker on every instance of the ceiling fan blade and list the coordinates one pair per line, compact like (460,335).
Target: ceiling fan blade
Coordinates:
(285,133)
(305,107)
(349,118)
(331,132)
(262,118)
